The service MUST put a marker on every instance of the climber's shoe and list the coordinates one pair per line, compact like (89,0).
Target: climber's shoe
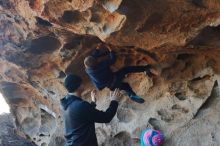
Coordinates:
(148,73)
(152,71)
(136,98)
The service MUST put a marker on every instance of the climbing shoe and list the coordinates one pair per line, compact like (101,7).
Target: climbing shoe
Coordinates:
(152,71)
(136,98)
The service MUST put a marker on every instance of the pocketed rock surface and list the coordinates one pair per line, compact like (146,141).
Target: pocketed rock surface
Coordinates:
(43,40)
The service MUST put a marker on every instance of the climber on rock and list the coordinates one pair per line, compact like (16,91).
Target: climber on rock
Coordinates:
(102,76)
(80,116)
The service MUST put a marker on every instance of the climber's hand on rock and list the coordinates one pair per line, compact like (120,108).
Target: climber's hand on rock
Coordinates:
(98,46)
(93,95)
(115,95)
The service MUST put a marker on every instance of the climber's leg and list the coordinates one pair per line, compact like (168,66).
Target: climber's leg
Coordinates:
(132,69)
(131,94)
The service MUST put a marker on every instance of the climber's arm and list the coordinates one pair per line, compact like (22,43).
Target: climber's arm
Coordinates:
(98,53)
(112,58)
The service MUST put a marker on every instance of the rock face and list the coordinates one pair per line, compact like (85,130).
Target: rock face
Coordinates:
(8,134)
(204,128)
(43,40)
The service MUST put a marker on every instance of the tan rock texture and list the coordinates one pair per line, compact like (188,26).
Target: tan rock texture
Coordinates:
(9,136)
(43,40)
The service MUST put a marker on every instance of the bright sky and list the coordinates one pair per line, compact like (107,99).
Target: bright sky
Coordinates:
(4,108)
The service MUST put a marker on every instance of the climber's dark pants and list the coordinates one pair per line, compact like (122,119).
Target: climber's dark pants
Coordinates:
(120,75)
